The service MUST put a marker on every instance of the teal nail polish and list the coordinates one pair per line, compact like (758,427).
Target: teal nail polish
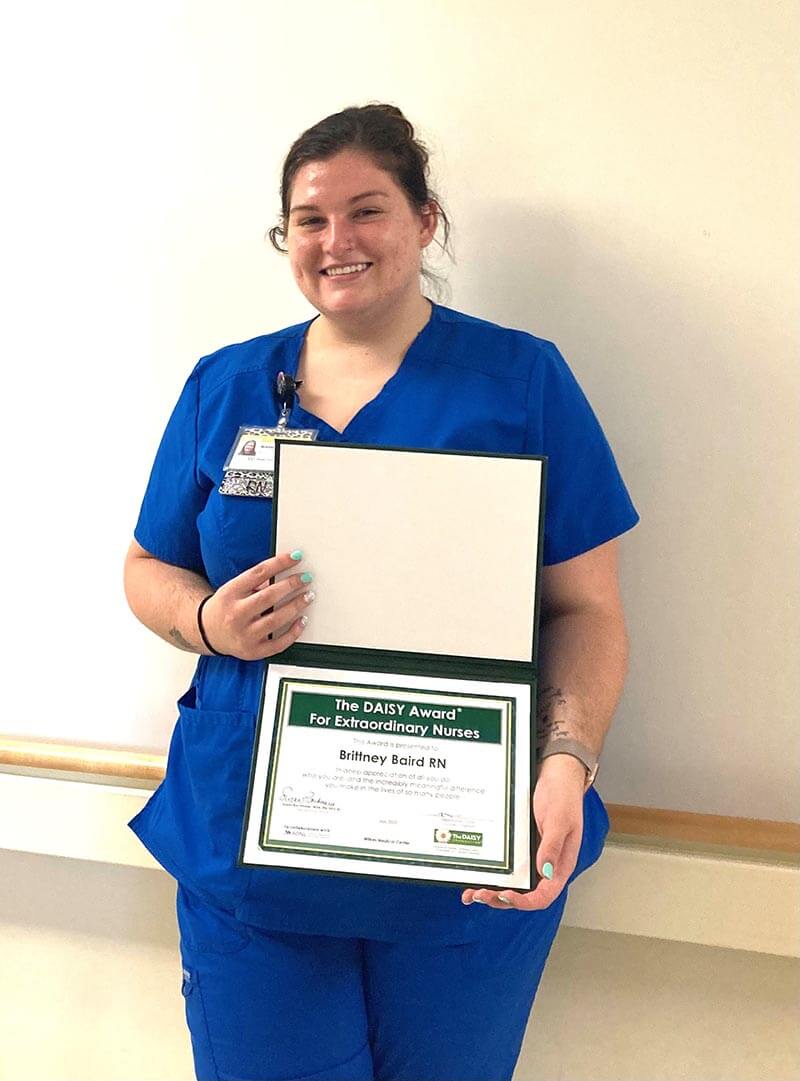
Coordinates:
(547,870)
(306,576)
(297,554)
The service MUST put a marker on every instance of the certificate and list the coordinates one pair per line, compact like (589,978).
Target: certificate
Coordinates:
(389,775)
(394,739)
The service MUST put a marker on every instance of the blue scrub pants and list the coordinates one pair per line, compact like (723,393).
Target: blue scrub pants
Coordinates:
(269,1006)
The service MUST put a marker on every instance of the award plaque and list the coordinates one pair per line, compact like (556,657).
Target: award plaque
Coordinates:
(395,739)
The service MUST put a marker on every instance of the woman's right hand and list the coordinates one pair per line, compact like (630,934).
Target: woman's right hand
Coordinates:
(241,618)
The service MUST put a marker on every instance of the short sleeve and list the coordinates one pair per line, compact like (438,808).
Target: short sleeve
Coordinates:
(586,501)
(167,525)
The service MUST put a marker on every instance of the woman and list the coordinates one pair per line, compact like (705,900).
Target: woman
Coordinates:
(294,975)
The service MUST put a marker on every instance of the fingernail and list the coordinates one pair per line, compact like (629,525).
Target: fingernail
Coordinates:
(547,870)
(297,554)
(463,902)
(309,597)
(306,576)
(478,901)
(505,900)
(304,620)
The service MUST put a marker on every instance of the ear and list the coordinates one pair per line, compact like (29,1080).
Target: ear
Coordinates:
(429,219)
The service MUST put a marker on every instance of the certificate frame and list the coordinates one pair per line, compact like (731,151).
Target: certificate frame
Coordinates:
(445,868)
(385,670)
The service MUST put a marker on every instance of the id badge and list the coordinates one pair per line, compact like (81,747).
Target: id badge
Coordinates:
(250,465)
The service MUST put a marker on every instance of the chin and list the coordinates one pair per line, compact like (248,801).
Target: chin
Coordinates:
(342,305)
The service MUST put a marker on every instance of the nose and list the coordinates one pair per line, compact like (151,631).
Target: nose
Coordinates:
(340,237)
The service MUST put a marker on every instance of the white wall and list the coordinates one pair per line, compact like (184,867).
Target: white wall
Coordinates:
(621,181)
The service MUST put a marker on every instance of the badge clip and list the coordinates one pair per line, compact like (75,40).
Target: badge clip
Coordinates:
(286,387)
(250,465)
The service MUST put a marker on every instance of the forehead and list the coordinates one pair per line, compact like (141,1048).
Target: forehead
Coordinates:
(339,178)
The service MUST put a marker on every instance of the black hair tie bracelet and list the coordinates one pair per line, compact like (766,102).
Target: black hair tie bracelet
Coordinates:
(201,628)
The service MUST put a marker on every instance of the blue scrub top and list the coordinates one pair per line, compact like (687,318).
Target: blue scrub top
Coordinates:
(464,384)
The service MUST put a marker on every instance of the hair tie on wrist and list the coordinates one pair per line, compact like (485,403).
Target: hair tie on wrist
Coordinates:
(200,627)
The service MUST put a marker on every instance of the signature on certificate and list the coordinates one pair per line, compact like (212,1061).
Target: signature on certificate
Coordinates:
(290,798)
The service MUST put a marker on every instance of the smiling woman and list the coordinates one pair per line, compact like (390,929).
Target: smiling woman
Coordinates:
(346,978)
(355,252)
(359,254)
(357,215)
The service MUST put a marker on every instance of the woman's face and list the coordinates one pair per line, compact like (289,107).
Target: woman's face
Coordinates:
(347,212)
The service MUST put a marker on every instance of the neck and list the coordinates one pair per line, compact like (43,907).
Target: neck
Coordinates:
(374,331)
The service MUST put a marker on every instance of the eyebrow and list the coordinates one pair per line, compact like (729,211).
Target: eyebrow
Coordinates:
(355,198)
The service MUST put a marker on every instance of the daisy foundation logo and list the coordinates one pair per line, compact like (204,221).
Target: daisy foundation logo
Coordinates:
(458,837)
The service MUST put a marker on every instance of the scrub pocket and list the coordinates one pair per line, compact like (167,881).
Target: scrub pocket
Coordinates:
(193,822)
(197,1023)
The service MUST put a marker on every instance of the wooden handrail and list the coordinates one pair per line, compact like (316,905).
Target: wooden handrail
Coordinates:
(70,758)
(661,825)
(642,822)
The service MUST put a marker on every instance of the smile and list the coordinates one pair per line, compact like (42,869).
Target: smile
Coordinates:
(343,271)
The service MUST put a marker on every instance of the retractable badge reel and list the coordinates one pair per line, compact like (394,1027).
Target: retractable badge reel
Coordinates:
(250,465)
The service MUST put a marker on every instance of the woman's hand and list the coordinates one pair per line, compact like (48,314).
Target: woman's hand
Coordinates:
(241,619)
(558,811)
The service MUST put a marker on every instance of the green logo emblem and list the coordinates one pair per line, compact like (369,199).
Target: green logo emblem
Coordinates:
(458,837)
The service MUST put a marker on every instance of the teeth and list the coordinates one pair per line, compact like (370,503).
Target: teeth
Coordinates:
(337,270)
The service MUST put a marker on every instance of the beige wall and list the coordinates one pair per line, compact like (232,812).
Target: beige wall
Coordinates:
(621,180)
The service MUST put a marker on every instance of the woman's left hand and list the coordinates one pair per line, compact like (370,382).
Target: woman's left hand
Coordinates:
(558,811)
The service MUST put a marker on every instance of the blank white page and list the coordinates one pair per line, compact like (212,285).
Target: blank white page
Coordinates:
(413,550)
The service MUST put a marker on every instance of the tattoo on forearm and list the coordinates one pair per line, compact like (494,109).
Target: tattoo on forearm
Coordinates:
(180,641)
(548,724)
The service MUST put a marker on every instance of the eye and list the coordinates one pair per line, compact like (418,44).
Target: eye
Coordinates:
(368,210)
(310,221)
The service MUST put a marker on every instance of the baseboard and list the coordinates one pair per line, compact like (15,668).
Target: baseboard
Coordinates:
(712,899)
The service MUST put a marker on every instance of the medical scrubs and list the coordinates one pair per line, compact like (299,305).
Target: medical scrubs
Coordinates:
(464,384)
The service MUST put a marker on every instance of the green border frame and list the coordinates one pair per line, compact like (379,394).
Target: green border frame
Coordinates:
(413,859)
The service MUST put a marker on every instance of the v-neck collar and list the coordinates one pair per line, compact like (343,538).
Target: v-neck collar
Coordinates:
(384,395)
